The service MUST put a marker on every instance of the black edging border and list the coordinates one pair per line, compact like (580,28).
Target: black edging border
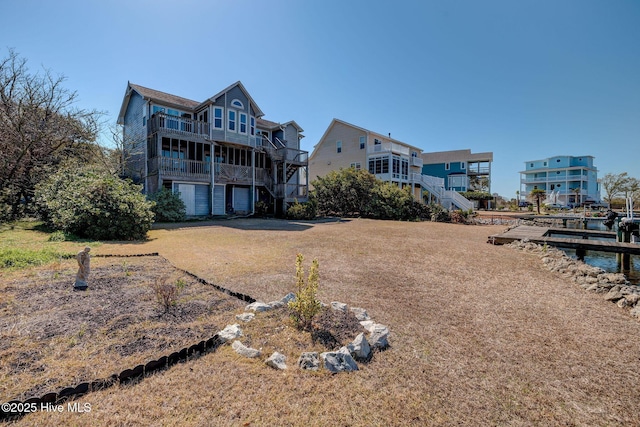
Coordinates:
(131,375)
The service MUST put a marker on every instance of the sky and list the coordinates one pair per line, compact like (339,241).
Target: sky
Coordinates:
(524,79)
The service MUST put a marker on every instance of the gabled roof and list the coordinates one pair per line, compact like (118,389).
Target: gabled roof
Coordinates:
(386,137)
(259,112)
(155,95)
(268,124)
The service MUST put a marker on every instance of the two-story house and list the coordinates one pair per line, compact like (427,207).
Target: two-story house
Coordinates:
(565,179)
(344,145)
(461,170)
(220,155)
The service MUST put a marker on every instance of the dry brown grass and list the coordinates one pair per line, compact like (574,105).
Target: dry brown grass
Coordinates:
(54,336)
(481,335)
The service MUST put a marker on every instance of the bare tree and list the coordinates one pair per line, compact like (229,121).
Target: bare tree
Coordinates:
(614,185)
(632,189)
(39,129)
(117,157)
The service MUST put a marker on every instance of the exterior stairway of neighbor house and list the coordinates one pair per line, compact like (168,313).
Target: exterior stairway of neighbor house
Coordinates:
(288,161)
(447,198)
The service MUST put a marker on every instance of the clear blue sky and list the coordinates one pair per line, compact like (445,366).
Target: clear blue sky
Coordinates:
(525,79)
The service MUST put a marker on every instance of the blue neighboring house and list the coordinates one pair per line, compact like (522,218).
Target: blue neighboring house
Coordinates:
(567,180)
(460,169)
(219,154)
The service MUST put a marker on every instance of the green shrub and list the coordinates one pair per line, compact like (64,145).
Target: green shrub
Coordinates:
(168,206)
(94,205)
(458,216)
(57,236)
(438,213)
(262,208)
(345,192)
(306,210)
(306,305)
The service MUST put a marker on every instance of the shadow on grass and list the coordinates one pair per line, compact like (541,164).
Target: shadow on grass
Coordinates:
(70,237)
(251,224)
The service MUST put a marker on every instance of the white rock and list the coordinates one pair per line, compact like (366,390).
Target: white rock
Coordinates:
(288,298)
(360,313)
(258,306)
(309,361)
(368,325)
(340,306)
(230,332)
(277,361)
(245,351)
(339,361)
(245,317)
(359,348)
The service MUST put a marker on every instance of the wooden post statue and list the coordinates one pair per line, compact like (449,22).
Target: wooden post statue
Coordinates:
(84,260)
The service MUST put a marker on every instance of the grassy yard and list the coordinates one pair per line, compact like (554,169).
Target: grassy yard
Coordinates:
(480,334)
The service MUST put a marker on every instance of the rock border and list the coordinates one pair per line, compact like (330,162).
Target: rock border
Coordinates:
(342,360)
(613,286)
(348,354)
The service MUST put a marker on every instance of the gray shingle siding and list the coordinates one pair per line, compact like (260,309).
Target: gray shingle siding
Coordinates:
(135,138)
(291,135)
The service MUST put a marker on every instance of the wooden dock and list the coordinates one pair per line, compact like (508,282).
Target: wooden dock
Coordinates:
(540,236)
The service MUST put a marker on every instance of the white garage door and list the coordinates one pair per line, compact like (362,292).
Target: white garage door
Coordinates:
(188,197)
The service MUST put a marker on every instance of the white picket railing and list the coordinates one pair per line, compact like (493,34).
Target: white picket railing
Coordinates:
(447,198)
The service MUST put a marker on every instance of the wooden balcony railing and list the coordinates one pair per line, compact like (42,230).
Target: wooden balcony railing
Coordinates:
(178,125)
(287,154)
(182,168)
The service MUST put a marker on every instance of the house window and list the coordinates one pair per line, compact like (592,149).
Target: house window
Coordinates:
(463,165)
(217,117)
(378,165)
(237,103)
(362,143)
(356,165)
(338,146)
(171,122)
(396,167)
(252,127)
(231,124)
(414,154)
(531,165)
(447,166)
(544,164)
(243,123)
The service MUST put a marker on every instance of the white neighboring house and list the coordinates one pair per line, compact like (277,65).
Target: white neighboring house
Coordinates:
(344,145)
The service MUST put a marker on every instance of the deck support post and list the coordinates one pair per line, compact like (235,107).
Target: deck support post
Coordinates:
(623,259)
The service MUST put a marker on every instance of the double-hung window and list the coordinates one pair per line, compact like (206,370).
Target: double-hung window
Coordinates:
(243,123)
(218,114)
(338,146)
(232,120)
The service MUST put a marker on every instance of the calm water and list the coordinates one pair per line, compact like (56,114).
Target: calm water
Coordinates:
(604,260)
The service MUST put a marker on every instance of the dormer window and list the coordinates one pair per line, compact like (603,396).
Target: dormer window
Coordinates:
(237,104)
